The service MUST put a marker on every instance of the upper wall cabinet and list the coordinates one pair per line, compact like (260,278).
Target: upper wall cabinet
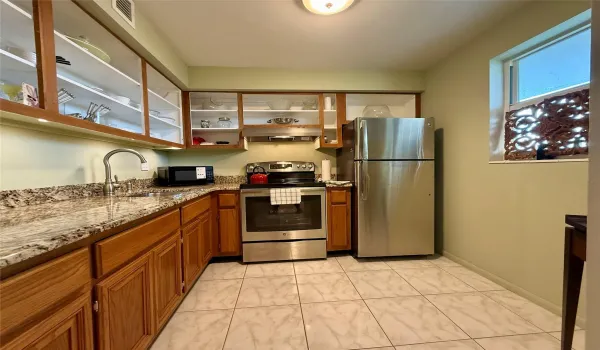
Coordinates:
(215,120)
(99,78)
(18,73)
(164,103)
(381,105)
(281,110)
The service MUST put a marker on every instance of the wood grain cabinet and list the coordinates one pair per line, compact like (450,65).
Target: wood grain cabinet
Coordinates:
(228,222)
(338,219)
(167,275)
(197,249)
(125,310)
(69,328)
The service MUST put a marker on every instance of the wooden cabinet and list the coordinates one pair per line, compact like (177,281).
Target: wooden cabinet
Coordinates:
(125,312)
(197,247)
(69,328)
(167,277)
(338,219)
(228,222)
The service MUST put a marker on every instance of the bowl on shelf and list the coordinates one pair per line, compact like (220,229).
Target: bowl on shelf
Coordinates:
(282,120)
(280,104)
(377,111)
(213,104)
(85,44)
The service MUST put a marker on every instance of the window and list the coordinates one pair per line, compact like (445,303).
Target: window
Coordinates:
(547,100)
(560,65)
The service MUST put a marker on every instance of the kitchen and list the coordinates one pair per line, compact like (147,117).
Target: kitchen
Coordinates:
(206,111)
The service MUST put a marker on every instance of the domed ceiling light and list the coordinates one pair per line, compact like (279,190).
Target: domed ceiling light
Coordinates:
(327,7)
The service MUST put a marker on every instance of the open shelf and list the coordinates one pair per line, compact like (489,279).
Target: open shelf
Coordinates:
(159,103)
(217,130)
(164,122)
(282,126)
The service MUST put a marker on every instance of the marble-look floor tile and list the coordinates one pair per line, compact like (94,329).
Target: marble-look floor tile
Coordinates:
(212,295)
(450,345)
(317,266)
(342,325)
(412,320)
(541,341)
(433,281)
(578,339)
(349,263)
(442,261)
(480,316)
(268,328)
(380,284)
(537,315)
(472,278)
(195,330)
(408,263)
(270,269)
(224,271)
(325,287)
(267,291)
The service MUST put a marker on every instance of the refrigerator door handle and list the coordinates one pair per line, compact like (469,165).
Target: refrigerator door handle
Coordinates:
(363,142)
(364,181)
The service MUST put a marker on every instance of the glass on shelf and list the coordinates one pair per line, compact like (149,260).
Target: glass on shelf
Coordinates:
(164,103)
(99,78)
(281,109)
(18,72)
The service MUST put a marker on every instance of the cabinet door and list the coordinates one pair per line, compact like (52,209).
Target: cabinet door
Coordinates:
(206,237)
(167,277)
(69,328)
(125,307)
(192,256)
(229,231)
(338,220)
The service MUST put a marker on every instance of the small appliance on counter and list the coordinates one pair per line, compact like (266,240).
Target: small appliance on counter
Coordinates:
(275,232)
(185,175)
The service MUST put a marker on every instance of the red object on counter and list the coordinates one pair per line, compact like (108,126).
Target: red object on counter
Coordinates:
(258,176)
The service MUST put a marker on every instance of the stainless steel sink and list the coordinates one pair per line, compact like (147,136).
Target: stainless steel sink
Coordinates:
(156,194)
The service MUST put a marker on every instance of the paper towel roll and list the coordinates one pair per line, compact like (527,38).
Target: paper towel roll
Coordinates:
(326,170)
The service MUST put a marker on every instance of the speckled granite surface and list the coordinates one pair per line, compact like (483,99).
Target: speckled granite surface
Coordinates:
(35,221)
(28,231)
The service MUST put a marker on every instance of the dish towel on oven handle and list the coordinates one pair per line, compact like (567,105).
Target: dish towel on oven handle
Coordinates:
(281,196)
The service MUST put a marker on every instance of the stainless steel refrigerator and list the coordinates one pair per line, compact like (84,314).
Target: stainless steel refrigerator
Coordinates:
(391,163)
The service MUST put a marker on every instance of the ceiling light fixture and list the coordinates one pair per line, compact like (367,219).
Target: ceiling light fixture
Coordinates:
(327,7)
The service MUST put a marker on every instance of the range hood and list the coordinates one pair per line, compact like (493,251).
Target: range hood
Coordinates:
(281,134)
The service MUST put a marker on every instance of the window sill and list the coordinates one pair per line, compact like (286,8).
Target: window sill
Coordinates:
(539,161)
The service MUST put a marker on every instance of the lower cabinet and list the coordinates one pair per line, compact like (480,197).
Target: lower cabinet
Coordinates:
(338,219)
(167,277)
(197,247)
(228,222)
(125,312)
(69,328)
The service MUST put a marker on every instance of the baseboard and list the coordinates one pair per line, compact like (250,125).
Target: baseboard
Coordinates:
(556,309)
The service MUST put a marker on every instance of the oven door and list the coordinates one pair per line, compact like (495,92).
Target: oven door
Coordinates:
(262,221)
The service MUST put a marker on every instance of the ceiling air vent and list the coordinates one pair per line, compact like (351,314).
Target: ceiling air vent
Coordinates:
(126,9)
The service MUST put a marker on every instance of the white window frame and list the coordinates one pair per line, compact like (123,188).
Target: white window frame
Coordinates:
(511,83)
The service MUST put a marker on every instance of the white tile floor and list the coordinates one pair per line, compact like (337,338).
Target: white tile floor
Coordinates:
(344,303)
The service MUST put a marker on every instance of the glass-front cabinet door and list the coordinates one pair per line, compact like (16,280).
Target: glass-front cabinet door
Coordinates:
(18,72)
(164,103)
(99,78)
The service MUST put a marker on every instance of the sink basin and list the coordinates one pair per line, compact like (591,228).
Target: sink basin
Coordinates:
(156,194)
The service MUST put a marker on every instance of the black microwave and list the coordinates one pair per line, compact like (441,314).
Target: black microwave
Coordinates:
(185,175)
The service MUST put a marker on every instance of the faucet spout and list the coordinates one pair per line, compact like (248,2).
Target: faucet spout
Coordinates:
(109,186)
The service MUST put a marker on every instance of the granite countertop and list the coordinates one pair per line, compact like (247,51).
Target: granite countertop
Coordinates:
(29,231)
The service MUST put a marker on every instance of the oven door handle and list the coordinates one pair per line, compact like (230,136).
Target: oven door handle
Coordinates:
(267,192)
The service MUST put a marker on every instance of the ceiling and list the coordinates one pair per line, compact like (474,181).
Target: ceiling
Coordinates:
(372,34)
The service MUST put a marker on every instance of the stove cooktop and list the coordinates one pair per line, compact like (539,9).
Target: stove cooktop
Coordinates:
(284,185)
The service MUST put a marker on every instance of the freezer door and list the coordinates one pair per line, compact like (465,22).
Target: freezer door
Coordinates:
(395,208)
(394,138)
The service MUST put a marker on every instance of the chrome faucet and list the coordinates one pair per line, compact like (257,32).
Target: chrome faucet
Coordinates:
(109,185)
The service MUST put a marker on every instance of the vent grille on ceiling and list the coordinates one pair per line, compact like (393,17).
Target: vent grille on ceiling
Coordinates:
(126,9)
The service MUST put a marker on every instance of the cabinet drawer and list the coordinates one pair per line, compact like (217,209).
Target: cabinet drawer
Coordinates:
(337,196)
(227,200)
(192,211)
(114,251)
(32,292)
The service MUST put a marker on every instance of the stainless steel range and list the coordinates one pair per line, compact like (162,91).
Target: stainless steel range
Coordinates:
(286,231)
